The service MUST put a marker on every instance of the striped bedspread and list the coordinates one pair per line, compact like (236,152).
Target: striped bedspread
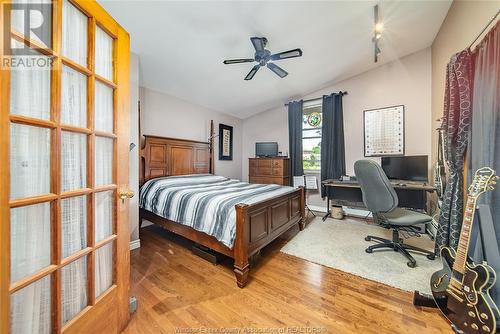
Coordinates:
(204,202)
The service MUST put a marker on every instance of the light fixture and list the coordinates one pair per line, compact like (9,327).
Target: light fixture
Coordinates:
(377,33)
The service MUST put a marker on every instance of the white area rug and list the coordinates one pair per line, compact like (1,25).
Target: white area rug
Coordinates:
(340,244)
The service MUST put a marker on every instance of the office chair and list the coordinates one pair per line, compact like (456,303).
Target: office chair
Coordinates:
(381,199)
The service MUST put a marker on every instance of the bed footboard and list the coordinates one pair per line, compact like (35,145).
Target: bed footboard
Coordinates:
(259,224)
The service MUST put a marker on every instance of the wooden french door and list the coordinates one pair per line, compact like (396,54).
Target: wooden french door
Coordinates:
(64,232)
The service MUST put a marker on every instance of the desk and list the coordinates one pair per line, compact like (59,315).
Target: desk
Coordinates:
(348,193)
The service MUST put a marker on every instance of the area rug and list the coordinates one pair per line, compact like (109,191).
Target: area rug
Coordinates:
(340,244)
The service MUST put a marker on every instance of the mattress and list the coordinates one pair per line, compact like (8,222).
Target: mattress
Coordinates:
(204,202)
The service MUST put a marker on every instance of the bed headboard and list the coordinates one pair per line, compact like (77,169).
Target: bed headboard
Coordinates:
(163,156)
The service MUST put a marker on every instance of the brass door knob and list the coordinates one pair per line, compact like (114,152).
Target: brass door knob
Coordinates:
(124,194)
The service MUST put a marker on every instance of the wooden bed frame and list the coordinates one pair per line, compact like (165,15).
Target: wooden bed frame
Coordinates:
(256,225)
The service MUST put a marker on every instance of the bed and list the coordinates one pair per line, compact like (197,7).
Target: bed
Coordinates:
(180,193)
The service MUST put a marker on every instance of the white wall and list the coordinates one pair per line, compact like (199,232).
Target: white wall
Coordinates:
(134,153)
(167,116)
(406,81)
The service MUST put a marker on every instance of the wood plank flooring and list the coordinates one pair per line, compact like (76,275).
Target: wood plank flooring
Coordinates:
(177,290)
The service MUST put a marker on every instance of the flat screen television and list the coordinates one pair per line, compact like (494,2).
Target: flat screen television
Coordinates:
(267,149)
(409,168)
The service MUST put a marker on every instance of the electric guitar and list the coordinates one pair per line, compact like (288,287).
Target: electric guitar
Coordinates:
(439,170)
(461,288)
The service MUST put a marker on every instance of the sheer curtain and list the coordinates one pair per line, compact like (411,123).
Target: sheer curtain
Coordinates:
(103,269)
(30,226)
(30,308)
(103,229)
(73,161)
(73,98)
(103,108)
(74,33)
(74,288)
(103,54)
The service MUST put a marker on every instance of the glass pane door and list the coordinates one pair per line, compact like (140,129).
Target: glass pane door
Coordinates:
(63,175)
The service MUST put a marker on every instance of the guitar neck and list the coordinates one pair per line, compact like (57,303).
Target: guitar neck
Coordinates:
(463,243)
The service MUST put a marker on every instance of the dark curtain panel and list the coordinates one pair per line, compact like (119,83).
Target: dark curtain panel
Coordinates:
(484,144)
(456,124)
(332,140)
(295,138)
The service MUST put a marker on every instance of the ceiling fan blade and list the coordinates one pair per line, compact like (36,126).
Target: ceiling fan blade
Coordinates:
(252,72)
(278,70)
(287,54)
(238,61)
(258,43)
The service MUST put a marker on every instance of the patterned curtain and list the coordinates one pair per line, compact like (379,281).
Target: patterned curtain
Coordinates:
(456,124)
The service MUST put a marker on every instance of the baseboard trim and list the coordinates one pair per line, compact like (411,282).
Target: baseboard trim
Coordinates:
(134,244)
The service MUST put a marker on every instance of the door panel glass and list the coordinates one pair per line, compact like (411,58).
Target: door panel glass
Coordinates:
(74,161)
(30,91)
(29,240)
(73,98)
(103,161)
(74,224)
(103,108)
(103,214)
(74,288)
(74,34)
(29,161)
(103,269)
(103,54)
(30,310)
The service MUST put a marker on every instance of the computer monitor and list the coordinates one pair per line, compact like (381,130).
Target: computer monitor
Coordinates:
(409,168)
(268,149)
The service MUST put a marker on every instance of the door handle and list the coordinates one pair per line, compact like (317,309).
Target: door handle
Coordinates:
(124,194)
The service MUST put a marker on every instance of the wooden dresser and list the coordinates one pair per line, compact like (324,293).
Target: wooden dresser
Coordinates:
(269,170)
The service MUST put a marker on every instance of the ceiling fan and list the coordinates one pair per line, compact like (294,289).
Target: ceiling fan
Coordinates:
(263,56)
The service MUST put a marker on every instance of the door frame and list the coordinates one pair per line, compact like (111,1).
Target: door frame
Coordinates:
(117,296)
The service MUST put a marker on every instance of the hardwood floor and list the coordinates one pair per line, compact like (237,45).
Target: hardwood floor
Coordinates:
(177,290)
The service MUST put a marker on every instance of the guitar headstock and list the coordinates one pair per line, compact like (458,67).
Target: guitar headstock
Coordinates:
(484,180)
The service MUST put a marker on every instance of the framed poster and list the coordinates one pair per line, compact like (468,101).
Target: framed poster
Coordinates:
(225,142)
(384,131)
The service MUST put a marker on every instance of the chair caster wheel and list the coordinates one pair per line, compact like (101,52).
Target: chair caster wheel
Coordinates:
(368,250)
(411,264)
(431,257)
(368,239)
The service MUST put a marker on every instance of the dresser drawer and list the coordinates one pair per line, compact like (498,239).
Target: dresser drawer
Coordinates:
(278,171)
(264,171)
(277,163)
(265,163)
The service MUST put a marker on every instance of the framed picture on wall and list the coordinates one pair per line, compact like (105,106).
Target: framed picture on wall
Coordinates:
(225,142)
(384,131)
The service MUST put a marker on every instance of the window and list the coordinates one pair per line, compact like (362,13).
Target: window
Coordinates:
(311,137)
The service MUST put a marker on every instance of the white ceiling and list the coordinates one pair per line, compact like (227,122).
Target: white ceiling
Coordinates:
(181,45)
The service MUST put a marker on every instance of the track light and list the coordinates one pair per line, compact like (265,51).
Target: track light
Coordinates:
(377,33)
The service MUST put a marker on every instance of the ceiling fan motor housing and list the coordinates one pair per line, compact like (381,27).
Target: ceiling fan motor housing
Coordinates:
(262,57)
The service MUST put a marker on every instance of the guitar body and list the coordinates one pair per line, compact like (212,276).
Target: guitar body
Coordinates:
(466,304)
